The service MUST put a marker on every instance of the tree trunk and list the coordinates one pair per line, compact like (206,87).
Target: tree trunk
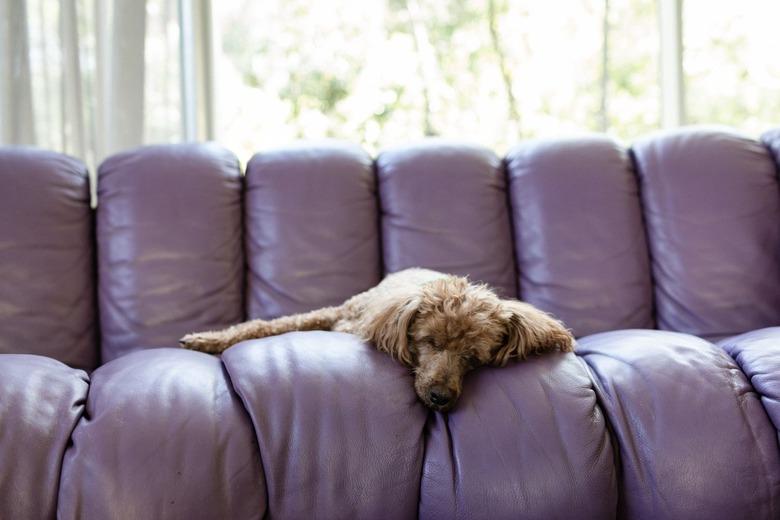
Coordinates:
(506,74)
(426,62)
(603,117)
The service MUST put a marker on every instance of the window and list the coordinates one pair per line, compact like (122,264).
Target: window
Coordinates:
(382,72)
(732,72)
(91,77)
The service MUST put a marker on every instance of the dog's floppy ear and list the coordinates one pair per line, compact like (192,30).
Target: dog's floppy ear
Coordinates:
(529,330)
(389,328)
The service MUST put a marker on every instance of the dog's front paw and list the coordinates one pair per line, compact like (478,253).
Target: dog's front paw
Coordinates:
(211,342)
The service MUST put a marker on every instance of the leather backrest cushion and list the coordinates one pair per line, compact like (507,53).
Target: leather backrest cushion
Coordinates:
(579,239)
(444,207)
(169,241)
(712,211)
(311,228)
(47,291)
(681,231)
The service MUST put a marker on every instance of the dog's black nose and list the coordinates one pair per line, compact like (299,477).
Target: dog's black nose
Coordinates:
(440,396)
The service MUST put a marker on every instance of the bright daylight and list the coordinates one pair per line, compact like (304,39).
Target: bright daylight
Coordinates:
(381,73)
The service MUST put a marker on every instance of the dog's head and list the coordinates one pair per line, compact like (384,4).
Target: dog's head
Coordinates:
(449,327)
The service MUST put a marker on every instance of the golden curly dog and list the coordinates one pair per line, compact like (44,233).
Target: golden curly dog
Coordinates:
(439,325)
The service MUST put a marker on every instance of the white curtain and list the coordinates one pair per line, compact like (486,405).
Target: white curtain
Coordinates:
(93,77)
(16,121)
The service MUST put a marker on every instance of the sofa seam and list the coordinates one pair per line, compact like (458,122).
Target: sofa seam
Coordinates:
(245,408)
(617,453)
(749,424)
(83,416)
(635,171)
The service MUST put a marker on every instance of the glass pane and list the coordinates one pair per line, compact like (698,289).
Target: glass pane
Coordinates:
(732,71)
(633,100)
(380,72)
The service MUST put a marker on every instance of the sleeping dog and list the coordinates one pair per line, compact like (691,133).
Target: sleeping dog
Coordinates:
(439,325)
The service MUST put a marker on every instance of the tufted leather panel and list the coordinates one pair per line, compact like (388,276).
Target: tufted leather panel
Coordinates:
(694,439)
(47,262)
(579,239)
(712,207)
(163,436)
(526,438)
(169,245)
(444,207)
(41,401)
(311,228)
(339,428)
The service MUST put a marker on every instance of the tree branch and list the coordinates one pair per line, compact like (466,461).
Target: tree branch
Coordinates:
(495,38)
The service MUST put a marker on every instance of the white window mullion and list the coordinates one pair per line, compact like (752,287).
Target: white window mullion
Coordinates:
(197,69)
(671,63)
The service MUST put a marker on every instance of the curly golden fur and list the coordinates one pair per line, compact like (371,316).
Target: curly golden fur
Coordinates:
(439,325)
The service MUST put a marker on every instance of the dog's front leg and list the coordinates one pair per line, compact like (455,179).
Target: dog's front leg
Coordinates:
(215,342)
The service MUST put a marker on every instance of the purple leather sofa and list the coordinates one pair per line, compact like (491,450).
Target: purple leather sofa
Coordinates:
(664,259)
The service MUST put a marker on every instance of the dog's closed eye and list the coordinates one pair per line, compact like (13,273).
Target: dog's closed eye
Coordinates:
(430,343)
(472,362)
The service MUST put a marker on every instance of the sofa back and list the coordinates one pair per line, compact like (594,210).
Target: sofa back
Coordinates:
(47,256)
(679,232)
(169,245)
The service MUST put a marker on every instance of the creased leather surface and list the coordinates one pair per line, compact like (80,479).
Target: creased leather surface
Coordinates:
(524,441)
(758,355)
(163,437)
(695,441)
(311,228)
(444,207)
(771,140)
(712,207)
(579,239)
(47,280)
(40,402)
(169,245)
(338,424)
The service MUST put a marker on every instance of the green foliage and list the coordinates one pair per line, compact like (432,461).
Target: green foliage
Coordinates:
(379,72)
(316,89)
